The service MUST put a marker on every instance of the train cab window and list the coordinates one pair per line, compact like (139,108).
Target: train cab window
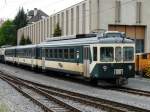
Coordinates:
(118,54)
(106,54)
(66,53)
(128,53)
(72,56)
(94,53)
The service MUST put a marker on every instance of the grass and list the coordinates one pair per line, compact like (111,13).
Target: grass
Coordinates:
(3,108)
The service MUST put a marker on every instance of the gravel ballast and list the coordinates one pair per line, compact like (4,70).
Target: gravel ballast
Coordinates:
(13,101)
(135,100)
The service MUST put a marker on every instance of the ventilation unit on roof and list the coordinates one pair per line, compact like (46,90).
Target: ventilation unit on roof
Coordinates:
(70,37)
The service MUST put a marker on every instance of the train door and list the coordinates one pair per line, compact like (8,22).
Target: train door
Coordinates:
(43,58)
(86,61)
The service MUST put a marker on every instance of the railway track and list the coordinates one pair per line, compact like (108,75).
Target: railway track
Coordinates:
(99,103)
(46,101)
(132,91)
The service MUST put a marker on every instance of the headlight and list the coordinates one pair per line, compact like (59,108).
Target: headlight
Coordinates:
(130,67)
(105,68)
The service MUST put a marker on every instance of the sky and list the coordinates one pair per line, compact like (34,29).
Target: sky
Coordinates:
(9,8)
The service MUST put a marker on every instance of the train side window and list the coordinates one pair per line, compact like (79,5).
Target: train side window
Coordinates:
(72,56)
(60,53)
(66,53)
(51,53)
(55,53)
(46,53)
(144,56)
(30,52)
(94,53)
(40,53)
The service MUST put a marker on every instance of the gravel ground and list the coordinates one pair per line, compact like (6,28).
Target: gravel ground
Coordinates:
(41,98)
(139,83)
(80,106)
(12,101)
(135,100)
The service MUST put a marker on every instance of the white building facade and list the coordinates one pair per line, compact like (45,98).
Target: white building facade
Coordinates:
(129,16)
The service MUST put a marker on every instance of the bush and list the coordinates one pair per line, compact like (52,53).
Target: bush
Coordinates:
(147,72)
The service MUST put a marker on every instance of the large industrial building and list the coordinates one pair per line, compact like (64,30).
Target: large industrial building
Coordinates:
(129,16)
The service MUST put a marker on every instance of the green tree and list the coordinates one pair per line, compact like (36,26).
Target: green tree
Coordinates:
(28,41)
(8,33)
(20,19)
(23,40)
(57,31)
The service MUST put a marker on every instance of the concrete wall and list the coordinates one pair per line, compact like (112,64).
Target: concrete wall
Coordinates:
(88,16)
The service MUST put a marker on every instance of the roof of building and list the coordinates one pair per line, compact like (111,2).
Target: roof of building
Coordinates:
(32,17)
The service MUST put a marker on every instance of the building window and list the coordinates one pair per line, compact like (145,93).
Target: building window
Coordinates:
(44,29)
(51,26)
(62,23)
(48,28)
(54,20)
(72,20)
(83,18)
(41,31)
(98,13)
(139,45)
(58,18)
(67,22)
(118,12)
(138,12)
(77,20)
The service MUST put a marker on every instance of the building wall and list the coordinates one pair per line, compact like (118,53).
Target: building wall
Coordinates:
(92,15)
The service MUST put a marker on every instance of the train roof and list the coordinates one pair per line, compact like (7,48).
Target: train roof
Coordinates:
(22,46)
(26,46)
(87,41)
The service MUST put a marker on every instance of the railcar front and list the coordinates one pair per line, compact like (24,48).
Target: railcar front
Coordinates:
(113,62)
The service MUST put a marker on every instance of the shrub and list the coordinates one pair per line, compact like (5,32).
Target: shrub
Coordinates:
(147,72)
